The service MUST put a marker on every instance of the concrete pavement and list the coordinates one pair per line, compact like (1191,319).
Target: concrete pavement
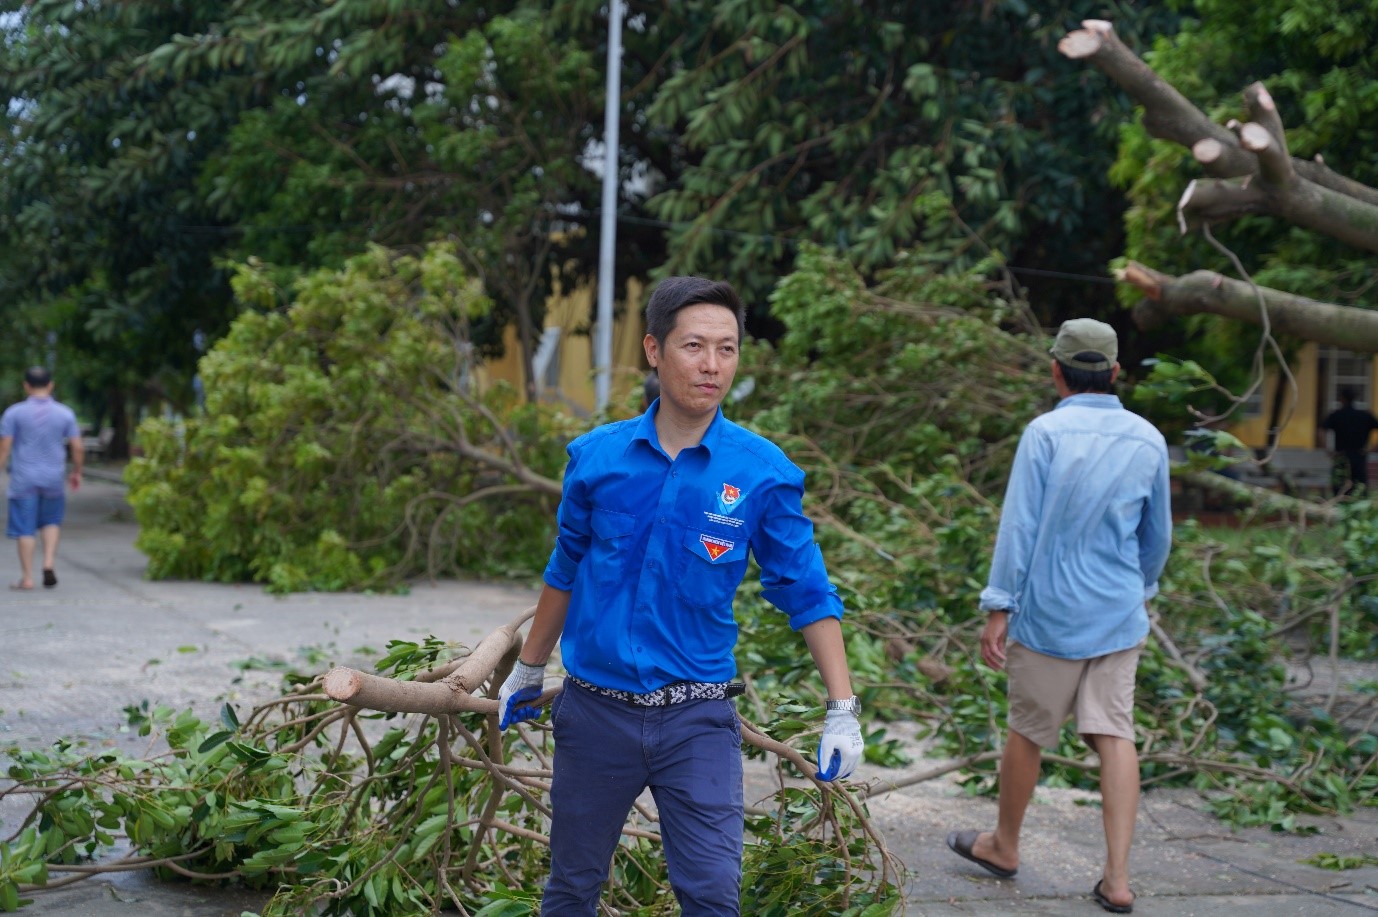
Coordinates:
(105,638)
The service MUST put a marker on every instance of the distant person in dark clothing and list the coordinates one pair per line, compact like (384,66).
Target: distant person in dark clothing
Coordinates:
(1352,428)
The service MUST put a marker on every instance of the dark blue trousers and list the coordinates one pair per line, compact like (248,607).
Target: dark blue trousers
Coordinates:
(606,752)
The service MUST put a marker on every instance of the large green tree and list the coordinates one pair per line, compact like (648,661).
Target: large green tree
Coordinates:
(442,120)
(148,141)
(865,127)
(108,263)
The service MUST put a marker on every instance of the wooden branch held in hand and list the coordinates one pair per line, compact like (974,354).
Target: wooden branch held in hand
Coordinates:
(451,694)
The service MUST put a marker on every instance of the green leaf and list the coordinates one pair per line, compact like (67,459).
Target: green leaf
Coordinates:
(214,741)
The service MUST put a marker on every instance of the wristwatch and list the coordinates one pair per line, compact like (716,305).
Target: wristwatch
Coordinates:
(852,705)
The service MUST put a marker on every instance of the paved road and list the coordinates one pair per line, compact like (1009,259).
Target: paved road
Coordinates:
(105,638)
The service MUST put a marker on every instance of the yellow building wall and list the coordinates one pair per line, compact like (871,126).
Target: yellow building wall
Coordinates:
(1299,410)
(571,313)
(1307,409)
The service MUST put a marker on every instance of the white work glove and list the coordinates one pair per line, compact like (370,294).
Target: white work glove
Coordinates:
(521,687)
(841,746)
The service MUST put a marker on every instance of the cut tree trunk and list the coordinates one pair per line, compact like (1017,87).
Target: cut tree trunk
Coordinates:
(1166,297)
(1302,192)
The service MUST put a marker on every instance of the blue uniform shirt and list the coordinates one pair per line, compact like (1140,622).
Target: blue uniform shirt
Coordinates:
(653,551)
(1085,530)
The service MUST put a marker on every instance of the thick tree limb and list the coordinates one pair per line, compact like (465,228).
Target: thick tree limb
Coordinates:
(1264,111)
(451,694)
(1168,115)
(1301,203)
(1265,501)
(1274,188)
(1167,296)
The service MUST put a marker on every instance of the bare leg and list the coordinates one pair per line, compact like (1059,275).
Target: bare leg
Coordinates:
(26,551)
(49,535)
(1119,789)
(1019,767)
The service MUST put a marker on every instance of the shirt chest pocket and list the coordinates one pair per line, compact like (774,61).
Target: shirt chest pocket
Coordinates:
(611,544)
(711,568)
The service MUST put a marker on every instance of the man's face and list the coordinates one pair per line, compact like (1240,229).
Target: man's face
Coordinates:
(699,359)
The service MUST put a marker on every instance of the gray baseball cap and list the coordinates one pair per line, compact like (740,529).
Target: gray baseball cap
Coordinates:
(1083,337)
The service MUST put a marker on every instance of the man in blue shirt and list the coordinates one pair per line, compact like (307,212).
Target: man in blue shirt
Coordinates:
(655,523)
(1084,535)
(37,433)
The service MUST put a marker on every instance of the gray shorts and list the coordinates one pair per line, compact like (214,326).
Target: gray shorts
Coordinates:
(1045,690)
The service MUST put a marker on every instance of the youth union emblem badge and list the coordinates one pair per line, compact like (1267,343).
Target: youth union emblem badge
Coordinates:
(730,495)
(716,547)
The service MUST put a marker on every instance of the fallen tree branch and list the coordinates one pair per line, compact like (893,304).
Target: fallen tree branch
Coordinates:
(1167,296)
(1194,675)
(1261,499)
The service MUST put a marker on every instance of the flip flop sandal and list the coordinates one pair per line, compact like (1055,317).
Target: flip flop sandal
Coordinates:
(961,843)
(1109,905)
(49,578)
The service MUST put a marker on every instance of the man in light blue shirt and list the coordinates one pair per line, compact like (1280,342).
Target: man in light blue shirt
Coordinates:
(37,433)
(1084,535)
(657,518)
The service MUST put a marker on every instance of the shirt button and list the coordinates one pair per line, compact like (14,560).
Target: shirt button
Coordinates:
(651,564)
(662,520)
(674,474)
(638,649)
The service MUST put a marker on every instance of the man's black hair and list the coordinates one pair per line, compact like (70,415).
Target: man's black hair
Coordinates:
(675,293)
(1082,381)
(1347,396)
(38,377)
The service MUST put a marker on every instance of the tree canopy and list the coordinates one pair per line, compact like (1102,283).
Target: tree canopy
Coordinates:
(147,145)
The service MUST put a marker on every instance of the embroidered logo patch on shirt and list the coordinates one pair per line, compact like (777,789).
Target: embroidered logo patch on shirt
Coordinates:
(729,498)
(716,547)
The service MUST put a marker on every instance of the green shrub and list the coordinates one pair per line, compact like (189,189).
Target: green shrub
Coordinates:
(344,442)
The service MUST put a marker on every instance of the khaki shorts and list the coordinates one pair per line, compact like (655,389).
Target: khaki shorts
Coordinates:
(1045,690)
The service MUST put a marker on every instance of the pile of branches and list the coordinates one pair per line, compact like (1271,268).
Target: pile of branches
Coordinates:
(328,799)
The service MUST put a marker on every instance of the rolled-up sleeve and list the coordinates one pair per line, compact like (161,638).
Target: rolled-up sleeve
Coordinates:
(572,540)
(793,575)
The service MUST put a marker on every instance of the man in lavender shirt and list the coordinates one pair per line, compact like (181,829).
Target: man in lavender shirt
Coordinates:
(37,432)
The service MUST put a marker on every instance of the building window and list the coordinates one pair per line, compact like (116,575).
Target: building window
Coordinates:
(1344,369)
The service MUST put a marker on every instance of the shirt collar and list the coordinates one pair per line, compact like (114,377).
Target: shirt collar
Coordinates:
(646,428)
(1090,400)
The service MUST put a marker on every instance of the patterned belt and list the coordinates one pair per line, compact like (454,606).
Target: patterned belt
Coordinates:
(676,693)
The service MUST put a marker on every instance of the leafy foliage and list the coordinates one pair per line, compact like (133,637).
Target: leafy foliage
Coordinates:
(345,443)
(905,418)
(145,142)
(150,142)
(859,127)
(340,812)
